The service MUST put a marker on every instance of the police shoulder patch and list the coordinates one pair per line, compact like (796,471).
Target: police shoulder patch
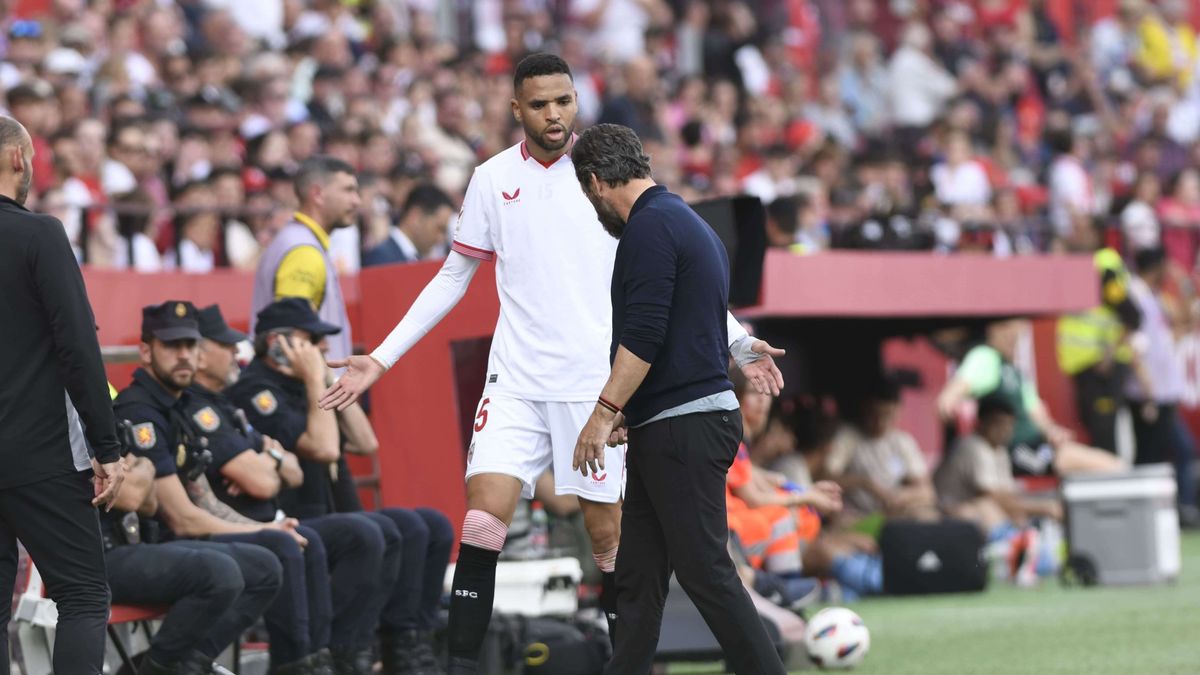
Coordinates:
(265,403)
(206,418)
(144,435)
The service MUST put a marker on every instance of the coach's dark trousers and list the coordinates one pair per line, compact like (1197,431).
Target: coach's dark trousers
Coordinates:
(58,525)
(674,518)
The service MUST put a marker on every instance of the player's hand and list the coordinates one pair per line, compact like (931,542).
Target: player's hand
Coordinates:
(589,448)
(620,432)
(361,373)
(762,374)
(106,483)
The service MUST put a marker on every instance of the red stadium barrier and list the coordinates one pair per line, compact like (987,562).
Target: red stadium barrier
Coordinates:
(423,409)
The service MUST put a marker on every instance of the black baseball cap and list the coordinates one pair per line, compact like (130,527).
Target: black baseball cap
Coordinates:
(293,313)
(170,321)
(213,327)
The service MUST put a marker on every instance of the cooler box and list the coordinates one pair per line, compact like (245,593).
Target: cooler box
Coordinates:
(535,587)
(1124,528)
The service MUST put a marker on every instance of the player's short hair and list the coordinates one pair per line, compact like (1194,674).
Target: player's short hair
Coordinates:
(318,169)
(427,198)
(536,65)
(612,152)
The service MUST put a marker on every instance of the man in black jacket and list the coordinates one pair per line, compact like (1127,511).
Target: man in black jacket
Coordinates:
(669,383)
(53,399)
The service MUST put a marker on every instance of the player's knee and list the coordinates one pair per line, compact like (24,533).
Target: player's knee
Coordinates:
(484,530)
(603,524)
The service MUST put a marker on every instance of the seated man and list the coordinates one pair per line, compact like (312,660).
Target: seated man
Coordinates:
(241,484)
(209,600)
(975,480)
(880,466)
(1039,446)
(164,574)
(850,558)
(279,392)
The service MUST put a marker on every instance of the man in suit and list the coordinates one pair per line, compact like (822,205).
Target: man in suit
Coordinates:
(423,222)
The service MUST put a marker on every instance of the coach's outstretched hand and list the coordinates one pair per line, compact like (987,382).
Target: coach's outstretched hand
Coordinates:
(762,373)
(361,373)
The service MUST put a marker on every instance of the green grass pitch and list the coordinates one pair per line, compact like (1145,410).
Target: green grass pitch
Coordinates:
(1042,631)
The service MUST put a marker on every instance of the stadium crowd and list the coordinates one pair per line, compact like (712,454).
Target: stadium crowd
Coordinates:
(167,133)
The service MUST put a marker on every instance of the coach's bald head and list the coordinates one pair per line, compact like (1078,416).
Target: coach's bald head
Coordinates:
(16,160)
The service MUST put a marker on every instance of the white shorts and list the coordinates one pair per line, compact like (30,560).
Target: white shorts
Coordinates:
(521,438)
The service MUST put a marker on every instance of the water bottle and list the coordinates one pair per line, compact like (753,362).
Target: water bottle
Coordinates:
(539,531)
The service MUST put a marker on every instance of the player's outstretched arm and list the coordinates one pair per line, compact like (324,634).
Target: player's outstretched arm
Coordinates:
(756,358)
(440,296)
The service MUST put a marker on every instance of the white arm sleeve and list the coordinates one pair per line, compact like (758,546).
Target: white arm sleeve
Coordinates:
(440,296)
(740,343)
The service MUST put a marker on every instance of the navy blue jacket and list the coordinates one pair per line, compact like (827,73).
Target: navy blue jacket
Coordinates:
(386,253)
(670,298)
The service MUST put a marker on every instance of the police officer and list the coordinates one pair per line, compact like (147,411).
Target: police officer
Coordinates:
(216,590)
(279,392)
(199,583)
(246,474)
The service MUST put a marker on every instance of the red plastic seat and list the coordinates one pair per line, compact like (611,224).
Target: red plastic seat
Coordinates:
(134,613)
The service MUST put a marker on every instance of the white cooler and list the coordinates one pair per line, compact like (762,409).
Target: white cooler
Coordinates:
(1124,528)
(535,587)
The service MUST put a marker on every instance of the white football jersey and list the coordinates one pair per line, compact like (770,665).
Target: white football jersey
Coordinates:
(553,273)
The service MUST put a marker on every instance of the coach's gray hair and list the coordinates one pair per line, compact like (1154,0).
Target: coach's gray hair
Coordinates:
(612,153)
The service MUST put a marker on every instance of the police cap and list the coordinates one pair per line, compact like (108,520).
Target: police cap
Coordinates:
(213,327)
(293,313)
(170,321)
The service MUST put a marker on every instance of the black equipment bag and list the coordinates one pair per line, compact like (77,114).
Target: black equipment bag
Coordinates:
(922,558)
(542,646)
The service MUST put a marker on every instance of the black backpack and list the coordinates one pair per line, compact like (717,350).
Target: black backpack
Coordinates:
(517,645)
(920,558)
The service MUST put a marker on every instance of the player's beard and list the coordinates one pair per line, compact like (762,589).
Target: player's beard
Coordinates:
(548,146)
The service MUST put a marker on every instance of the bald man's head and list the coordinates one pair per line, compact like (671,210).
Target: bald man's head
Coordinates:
(16,158)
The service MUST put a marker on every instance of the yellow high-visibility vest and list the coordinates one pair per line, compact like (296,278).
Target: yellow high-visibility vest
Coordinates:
(1089,337)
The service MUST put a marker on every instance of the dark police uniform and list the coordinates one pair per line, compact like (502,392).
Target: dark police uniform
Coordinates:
(417,542)
(215,590)
(298,622)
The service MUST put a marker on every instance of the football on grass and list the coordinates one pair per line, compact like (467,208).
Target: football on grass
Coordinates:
(837,639)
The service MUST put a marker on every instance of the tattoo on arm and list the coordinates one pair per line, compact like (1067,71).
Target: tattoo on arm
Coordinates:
(202,495)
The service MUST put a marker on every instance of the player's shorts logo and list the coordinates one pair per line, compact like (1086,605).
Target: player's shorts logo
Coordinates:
(599,477)
(514,197)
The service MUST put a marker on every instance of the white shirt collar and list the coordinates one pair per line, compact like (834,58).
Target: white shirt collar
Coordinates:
(405,244)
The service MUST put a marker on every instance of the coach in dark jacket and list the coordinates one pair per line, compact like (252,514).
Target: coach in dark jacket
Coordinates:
(53,396)
(670,294)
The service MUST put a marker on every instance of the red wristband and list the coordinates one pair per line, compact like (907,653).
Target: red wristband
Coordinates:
(609,405)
